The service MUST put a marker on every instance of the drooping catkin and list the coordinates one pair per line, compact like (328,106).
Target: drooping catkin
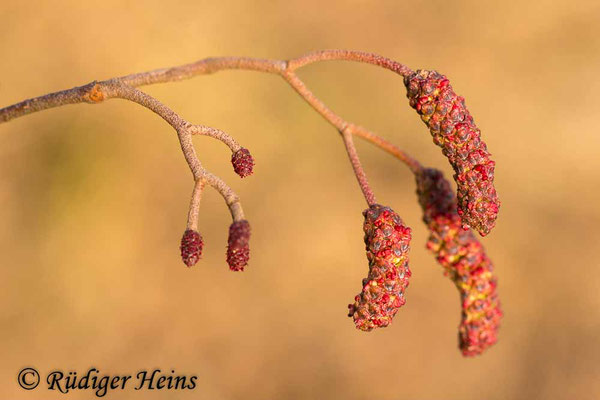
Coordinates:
(464,260)
(387,242)
(453,129)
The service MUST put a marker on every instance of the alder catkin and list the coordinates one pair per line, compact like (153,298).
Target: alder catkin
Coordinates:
(191,247)
(243,163)
(453,129)
(238,247)
(464,260)
(387,242)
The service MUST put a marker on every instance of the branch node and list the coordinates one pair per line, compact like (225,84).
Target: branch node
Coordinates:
(94,94)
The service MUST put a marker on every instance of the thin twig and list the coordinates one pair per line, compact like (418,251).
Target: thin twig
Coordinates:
(231,199)
(217,134)
(320,107)
(349,55)
(386,145)
(357,167)
(192,221)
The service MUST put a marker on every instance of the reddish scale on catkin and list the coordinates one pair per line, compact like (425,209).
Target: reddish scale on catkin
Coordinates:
(243,163)
(464,261)
(238,248)
(191,247)
(387,242)
(453,129)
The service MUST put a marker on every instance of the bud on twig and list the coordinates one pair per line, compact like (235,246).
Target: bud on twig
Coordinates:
(243,163)
(453,129)
(238,249)
(464,261)
(191,247)
(387,242)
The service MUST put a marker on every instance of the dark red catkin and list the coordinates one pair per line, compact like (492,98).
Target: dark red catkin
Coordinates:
(453,129)
(191,247)
(387,242)
(243,163)
(464,260)
(238,248)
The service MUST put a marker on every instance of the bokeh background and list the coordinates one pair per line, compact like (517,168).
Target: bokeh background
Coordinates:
(93,200)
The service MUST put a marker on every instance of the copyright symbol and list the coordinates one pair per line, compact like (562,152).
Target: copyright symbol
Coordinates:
(28,378)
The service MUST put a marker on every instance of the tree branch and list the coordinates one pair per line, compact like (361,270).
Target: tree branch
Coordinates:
(87,94)
(125,87)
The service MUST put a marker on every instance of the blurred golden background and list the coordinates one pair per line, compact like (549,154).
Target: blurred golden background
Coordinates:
(93,200)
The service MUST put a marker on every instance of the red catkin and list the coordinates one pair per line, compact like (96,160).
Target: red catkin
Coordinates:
(243,163)
(387,242)
(191,247)
(238,248)
(464,260)
(453,129)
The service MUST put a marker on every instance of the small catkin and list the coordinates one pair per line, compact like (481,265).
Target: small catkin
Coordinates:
(243,163)
(453,129)
(238,248)
(191,247)
(464,260)
(387,242)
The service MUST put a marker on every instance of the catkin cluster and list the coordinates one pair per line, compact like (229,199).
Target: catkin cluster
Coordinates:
(238,247)
(448,217)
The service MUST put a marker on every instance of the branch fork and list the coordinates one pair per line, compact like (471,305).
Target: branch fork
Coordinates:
(126,87)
